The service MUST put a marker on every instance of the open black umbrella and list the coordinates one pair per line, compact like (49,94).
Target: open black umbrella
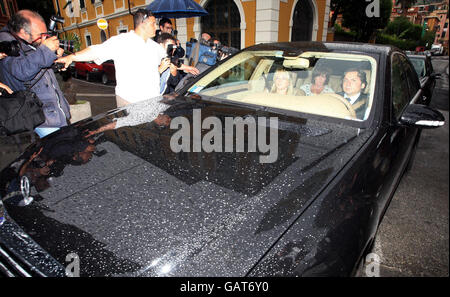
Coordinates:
(176,9)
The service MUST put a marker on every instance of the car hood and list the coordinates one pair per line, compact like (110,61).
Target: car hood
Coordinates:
(131,206)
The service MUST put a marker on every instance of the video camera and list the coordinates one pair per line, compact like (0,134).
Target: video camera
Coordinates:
(207,53)
(225,51)
(10,48)
(67,45)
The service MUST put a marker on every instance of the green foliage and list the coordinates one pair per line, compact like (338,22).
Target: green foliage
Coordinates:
(405,35)
(73,37)
(403,28)
(428,38)
(395,41)
(341,35)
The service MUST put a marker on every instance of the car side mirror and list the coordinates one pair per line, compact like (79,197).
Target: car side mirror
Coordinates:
(435,75)
(421,116)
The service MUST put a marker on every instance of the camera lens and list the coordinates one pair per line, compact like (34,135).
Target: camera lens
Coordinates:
(11,48)
(66,45)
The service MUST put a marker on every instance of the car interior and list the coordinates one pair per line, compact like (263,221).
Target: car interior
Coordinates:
(249,76)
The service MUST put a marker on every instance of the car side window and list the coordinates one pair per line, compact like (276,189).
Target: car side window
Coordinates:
(412,77)
(399,86)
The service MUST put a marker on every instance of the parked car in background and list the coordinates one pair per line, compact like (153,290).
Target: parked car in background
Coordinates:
(424,69)
(89,70)
(437,49)
(114,192)
(109,72)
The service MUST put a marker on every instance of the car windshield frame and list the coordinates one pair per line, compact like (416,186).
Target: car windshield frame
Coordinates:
(210,76)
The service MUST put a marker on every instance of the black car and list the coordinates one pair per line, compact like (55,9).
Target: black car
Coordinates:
(229,177)
(424,69)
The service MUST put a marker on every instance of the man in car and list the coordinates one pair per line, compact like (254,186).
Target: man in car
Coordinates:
(138,60)
(353,85)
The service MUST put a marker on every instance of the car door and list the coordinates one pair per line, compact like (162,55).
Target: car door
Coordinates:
(405,90)
(431,79)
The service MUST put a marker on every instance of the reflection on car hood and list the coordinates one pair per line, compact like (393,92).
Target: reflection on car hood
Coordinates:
(137,208)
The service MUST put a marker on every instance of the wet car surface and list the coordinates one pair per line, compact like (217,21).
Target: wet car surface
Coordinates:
(112,190)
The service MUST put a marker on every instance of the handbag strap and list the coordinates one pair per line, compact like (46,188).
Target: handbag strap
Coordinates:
(29,84)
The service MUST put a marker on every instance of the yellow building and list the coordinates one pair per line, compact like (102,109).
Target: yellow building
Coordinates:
(237,23)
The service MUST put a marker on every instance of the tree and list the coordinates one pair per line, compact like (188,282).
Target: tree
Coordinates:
(405,35)
(356,18)
(337,7)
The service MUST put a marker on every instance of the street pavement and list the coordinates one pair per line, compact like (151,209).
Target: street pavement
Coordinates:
(413,238)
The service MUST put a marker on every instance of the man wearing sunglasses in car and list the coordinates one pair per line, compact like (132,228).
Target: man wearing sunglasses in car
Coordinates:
(32,68)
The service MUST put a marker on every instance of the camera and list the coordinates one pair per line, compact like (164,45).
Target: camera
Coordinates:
(11,48)
(67,45)
(171,53)
(225,51)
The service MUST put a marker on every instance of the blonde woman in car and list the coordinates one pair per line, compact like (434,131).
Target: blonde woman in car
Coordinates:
(282,83)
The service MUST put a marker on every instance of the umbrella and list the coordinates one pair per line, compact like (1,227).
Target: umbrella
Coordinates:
(176,9)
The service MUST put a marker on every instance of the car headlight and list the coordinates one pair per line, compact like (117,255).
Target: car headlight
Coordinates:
(94,69)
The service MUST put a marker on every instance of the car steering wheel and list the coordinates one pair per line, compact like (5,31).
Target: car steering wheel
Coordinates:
(347,104)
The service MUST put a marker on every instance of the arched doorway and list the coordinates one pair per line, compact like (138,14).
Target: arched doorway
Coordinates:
(223,21)
(303,21)
(102,36)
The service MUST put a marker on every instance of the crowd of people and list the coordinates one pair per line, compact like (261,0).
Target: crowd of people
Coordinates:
(148,62)
(144,66)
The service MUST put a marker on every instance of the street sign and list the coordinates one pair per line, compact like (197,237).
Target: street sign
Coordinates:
(102,24)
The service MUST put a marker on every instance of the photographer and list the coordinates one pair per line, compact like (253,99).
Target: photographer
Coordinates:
(136,56)
(165,26)
(168,43)
(32,67)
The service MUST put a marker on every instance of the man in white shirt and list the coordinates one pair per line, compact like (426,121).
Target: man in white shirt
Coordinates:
(137,58)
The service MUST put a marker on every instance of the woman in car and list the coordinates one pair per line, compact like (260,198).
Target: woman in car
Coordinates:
(282,83)
(319,85)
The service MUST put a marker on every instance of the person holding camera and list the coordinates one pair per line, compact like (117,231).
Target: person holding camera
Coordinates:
(31,67)
(136,56)
(170,77)
(165,26)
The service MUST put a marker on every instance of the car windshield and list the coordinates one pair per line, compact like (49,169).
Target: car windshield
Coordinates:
(419,65)
(312,83)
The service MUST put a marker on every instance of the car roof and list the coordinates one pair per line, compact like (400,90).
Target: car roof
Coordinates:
(417,56)
(302,46)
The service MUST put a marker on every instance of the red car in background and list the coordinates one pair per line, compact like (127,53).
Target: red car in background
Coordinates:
(90,70)
(109,72)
